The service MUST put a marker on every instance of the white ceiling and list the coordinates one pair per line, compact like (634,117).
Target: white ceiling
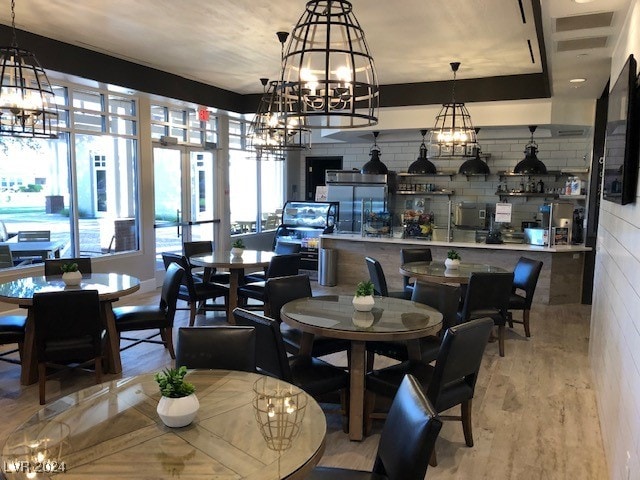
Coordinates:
(232,43)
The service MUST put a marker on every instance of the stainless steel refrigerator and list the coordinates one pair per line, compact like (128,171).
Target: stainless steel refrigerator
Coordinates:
(350,189)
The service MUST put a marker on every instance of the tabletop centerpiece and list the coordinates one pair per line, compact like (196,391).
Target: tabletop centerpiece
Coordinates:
(363,299)
(71,275)
(453,260)
(178,405)
(237,248)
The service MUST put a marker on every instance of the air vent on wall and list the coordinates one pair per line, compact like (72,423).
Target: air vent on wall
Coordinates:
(582,44)
(570,133)
(582,22)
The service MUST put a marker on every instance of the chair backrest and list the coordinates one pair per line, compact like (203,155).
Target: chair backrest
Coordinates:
(170,290)
(226,348)
(458,362)
(195,248)
(408,255)
(442,297)
(67,315)
(52,266)
(525,277)
(283,265)
(409,434)
(6,257)
(271,356)
(34,236)
(487,294)
(283,248)
(376,275)
(187,276)
(281,290)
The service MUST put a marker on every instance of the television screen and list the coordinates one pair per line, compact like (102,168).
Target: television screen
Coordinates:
(621,146)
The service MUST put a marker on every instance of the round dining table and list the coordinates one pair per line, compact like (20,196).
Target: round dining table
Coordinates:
(110,287)
(390,319)
(112,430)
(437,272)
(236,266)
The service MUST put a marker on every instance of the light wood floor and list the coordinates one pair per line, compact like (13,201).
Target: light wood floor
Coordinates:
(534,413)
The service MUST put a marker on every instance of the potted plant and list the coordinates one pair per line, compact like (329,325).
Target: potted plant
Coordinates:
(453,259)
(237,248)
(363,299)
(178,405)
(70,273)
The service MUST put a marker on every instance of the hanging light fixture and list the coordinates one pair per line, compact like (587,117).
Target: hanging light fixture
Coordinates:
(453,124)
(422,163)
(27,106)
(328,76)
(269,130)
(475,165)
(375,165)
(530,165)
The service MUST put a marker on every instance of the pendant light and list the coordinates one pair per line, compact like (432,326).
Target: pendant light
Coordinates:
(422,164)
(27,105)
(530,165)
(453,126)
(475,165)
(328,76)
(374,165)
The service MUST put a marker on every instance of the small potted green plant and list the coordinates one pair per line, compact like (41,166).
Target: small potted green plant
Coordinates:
(237,248)
(70,273)
(178,405)
(363,299)
(453,259)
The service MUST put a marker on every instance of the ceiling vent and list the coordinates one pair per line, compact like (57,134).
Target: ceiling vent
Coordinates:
(582,44)
(570,133)
(582,22)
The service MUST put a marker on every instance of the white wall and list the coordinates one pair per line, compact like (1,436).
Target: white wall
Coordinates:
(615,319)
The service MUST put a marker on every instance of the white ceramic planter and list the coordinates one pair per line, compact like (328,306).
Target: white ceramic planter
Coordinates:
(237,252)
(364,303)
(178,412)
(452,264)
(72,278)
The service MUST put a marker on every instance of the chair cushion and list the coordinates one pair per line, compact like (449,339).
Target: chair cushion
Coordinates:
(255,277)
(139,317)
(71,350)
(11,329)
(317,376)
(323,473)
(517,302)
(321,345)
(253,290)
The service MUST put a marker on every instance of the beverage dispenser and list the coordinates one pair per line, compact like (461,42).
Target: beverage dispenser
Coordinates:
(557,217)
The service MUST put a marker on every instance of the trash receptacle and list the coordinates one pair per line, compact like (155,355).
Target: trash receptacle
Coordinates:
(328,267)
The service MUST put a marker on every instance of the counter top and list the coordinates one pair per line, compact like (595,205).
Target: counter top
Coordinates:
(501,246)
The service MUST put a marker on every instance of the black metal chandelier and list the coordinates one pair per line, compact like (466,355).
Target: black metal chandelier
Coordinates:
(530,164)
(375,165)
(27,103)
(328,76)
(270,130)
(453,126)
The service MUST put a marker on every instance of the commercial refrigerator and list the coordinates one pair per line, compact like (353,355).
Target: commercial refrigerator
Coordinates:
(349,189)
(303,223)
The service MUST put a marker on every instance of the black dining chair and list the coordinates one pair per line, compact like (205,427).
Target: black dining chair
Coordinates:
(69,332)
(12,331)
(377,277)
(406,443)
(202,247)
(53,266)
(410,255)
(525,279)
(280,248)
(224,347)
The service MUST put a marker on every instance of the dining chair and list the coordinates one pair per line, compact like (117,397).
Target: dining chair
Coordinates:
(196,293)
(377,277)
(69,332)
(281,290)
(7,260)
(198,247)
(408,255)
(280,248)
(34,236)
(151,317)
(525,279)
(406,443)
(225,347)
(487,295)
(448,383)
(53,266)
(12,331)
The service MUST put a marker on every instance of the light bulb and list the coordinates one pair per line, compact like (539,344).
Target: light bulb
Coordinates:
(271,410)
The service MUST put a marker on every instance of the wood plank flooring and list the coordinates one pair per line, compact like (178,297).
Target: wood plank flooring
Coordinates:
(534,414)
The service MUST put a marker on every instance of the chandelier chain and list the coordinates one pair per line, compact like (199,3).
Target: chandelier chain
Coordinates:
(14,38)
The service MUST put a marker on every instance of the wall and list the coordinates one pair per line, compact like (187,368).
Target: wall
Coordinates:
(614,349)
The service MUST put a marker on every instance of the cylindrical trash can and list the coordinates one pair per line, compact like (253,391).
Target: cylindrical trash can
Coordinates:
(328,267)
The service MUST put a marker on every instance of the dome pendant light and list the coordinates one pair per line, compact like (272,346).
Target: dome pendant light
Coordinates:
(374,165)
(530,165)
(422,164)
(475,165)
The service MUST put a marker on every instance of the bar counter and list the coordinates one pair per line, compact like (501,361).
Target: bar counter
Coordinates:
(560,281)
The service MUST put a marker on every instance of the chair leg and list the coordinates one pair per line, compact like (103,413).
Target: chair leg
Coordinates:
(192,313)
(510,319)
(167,337)
(433,461)
(42,380)
(525,320)
(501,339)
(371,357)
(466,422)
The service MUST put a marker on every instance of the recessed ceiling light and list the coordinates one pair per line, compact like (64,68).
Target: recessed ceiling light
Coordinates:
(577,80)
(583,1)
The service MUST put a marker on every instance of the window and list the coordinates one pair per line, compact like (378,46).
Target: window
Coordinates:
(183,124)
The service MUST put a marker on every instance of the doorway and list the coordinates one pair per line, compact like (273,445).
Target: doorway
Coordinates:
(315,168)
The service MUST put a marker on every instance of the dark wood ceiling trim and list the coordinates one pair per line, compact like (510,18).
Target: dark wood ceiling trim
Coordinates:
(537,17)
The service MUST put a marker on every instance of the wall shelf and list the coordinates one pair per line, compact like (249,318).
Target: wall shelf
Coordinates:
(527,194)
(449,174)
(425,194)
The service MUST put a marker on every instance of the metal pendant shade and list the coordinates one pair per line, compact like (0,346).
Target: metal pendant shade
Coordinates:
(375,165)
(27,100)
(475,165)
(328,76)
(422,164)
(453,127)
(530,164)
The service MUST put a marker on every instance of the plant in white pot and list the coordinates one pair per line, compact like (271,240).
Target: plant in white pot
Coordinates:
(453,260)
(363,299)
(237,248)
(70,273)
(178,405)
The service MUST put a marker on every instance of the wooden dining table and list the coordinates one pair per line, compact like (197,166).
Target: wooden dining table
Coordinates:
(110,287)
(112,430)
(437,272)
(391,319)
(236,266)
